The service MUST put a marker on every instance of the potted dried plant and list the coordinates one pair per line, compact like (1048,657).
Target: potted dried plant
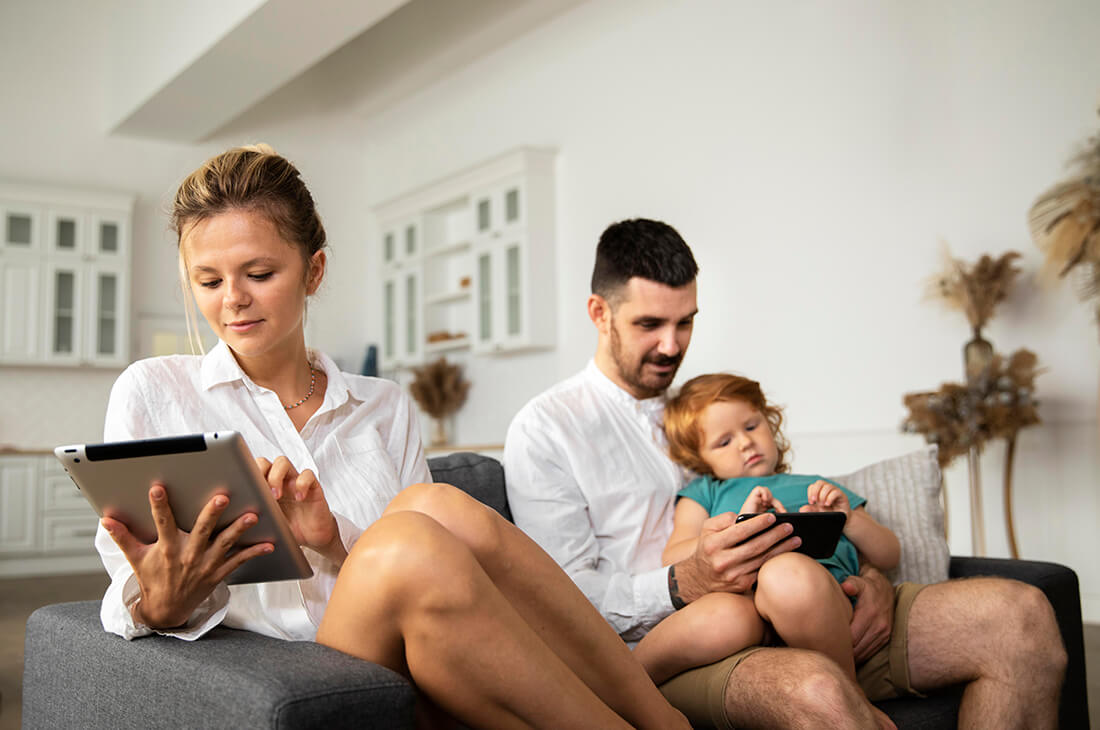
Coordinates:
(440,390)
(996,399)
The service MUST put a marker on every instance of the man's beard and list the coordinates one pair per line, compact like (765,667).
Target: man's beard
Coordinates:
(633,375)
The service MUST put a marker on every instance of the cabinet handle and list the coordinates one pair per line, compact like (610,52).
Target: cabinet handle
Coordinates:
(84,533)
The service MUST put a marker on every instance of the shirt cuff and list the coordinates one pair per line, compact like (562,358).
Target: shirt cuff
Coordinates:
(651,594)
(206,615)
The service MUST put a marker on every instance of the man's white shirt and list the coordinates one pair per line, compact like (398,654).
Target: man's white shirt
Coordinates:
(589,478)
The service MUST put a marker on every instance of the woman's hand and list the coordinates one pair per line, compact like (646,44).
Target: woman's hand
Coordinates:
(303,503)
(179,570)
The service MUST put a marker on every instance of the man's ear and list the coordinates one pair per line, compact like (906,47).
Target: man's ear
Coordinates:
(599,311)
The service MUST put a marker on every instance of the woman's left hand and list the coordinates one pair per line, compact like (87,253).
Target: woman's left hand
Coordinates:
(303,503)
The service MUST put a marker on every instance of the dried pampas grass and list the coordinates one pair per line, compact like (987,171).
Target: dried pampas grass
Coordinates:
(975,290)
(439,388)
(1065,225)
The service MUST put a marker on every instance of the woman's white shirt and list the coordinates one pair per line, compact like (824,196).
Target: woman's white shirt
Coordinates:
(363,444)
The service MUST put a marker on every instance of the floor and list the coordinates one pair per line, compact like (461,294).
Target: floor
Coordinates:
(19,597)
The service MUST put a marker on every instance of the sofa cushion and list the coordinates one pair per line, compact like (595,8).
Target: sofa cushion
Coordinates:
(903,493)
(482,477)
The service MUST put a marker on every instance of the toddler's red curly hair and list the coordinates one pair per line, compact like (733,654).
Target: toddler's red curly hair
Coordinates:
(682,413)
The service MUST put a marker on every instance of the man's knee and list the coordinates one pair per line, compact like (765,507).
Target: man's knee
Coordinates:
(1031,630)
(793,688)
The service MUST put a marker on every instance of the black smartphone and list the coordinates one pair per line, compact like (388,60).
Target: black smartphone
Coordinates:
(820,531)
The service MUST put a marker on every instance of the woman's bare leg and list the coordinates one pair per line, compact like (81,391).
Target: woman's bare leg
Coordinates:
(548,602)
(411,597)
(705,631)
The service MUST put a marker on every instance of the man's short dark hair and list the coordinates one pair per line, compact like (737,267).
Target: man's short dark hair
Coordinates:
(645,248)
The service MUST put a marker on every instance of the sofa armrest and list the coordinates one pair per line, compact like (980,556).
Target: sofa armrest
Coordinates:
(1059,583)
(77,675)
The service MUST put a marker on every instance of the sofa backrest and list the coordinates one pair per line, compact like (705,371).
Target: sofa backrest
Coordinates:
(482,477)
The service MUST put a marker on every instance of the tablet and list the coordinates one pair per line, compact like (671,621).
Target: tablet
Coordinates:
(820,531)
(115,478)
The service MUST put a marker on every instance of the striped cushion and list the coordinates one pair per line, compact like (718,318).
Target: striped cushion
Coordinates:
(903,493)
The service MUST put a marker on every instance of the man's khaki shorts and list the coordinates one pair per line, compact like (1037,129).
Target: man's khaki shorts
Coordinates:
(700,693)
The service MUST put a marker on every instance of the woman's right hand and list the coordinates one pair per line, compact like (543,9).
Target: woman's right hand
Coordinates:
(179,570)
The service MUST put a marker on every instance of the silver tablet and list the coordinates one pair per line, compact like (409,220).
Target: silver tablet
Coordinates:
(115,478)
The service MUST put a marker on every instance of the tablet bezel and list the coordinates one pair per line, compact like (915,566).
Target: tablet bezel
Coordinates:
(115,478)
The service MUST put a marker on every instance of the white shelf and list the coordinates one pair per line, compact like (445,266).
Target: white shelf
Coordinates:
(458,343)
(450,249)
(461,295)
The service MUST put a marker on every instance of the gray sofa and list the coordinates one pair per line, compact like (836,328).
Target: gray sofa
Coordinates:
(76,675)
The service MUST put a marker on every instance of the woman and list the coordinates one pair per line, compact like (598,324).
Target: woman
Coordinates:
(417,577)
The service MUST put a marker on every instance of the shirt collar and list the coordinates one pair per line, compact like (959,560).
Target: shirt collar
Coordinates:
(652,408)
(219,366)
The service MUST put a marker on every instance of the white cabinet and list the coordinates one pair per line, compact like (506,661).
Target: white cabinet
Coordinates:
(64,277)
(479,273)
(46,526)
(18,504)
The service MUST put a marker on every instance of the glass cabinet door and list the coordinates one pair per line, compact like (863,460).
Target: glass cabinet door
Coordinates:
(105,321)
(65,231)
(19,228)
(63,312)
(109,237)
(513,290)
(484,298)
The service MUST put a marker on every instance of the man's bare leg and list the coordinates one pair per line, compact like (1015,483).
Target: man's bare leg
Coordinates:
(998,635)
(796,689)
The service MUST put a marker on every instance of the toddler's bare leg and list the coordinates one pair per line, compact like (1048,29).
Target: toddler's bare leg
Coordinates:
(807,607)
(705,631)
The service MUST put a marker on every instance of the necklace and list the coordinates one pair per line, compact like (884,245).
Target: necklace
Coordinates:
(312,385)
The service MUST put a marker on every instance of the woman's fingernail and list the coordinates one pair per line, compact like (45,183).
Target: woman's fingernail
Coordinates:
(220,501)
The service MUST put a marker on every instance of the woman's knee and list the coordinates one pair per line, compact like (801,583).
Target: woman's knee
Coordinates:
(406,554)
(478,526)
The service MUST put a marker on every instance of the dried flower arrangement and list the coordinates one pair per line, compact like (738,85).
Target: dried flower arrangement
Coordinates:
(996,404)
(440,390)
(1065,224)
(976,290)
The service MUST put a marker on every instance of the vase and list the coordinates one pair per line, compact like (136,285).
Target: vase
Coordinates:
(439,431)
(977,356)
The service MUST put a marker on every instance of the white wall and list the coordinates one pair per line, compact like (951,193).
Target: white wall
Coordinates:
(55,73)
(813,155)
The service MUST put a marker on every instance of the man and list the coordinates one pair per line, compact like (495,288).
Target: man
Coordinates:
(589,479)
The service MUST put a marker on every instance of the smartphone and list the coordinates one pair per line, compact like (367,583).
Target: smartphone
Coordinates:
(820,531)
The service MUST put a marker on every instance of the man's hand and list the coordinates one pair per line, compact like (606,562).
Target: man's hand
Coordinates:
(729,554)
(873,614)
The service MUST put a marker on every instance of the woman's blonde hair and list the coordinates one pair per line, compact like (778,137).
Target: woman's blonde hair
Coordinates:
(682,414)
(252,178)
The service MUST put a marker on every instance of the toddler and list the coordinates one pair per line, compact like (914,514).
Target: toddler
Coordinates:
(722,427)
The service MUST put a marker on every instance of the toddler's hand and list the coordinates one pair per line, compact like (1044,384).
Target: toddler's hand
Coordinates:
(761,499)
(825,497)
